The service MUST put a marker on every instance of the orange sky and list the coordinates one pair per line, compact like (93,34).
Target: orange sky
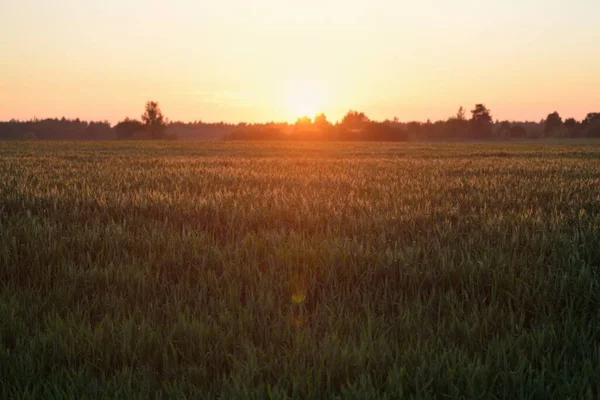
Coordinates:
(273,60)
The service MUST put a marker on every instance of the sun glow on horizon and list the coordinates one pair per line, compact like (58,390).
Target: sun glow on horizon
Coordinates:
(304,97)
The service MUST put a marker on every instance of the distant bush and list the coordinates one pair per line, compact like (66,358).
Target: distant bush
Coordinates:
(128,128)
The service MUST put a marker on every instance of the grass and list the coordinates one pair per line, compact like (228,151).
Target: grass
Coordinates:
(324,270)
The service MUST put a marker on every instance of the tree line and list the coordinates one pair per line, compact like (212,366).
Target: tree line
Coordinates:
(355,125)
(479,125)
(152,125)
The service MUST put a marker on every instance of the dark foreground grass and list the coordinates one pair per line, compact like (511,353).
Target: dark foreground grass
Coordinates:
(299,270)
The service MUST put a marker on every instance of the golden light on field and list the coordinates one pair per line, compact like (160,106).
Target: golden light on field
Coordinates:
(304,97)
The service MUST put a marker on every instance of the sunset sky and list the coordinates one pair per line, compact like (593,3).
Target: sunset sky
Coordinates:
(264,60)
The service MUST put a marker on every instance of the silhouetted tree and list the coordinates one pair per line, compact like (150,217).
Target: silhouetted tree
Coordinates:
(590,117)
(591,125)
(570,123)
(321,121)
(304,129)
(481,122)
(553,122)
(303,122)
(352,125)
(127,128)
(154,120)
(354,120)
(323,127)
(571,127)
(461,114)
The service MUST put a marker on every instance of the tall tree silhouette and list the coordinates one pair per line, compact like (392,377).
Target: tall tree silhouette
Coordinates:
(553,122)
(461,114)
(481,122)
(154,120)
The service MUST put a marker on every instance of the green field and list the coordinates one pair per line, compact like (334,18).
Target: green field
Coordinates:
(323,270)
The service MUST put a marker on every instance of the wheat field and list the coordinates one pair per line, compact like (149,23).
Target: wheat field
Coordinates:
(299,270)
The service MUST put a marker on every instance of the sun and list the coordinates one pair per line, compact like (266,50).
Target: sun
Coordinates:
(304,97)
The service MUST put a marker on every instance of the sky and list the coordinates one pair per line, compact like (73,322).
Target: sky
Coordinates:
(263,60)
